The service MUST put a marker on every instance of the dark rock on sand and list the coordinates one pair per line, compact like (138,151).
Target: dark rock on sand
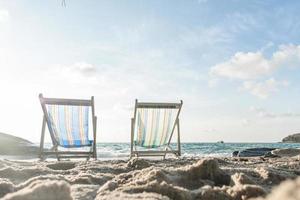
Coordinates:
(252,152)
(12,145)
(271,155)
(235,153)
(294,138)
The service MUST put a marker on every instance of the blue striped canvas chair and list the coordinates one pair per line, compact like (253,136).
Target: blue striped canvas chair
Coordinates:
(153,127)
(68,125)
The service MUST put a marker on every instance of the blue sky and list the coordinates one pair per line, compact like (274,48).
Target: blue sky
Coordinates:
(235,64)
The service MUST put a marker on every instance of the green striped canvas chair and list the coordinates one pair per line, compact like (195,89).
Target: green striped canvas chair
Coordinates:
(68,125)
(153,127)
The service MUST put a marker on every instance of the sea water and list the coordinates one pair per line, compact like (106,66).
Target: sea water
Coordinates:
(115,151)
(122,150)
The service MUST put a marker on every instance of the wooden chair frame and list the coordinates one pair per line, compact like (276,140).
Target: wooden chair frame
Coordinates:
(54,150)
(168,149)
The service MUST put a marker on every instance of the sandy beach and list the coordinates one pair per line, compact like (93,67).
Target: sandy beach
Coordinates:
(208,178)
(88,86)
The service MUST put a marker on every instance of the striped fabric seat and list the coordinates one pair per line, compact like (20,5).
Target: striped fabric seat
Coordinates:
(69,125)
(154,126)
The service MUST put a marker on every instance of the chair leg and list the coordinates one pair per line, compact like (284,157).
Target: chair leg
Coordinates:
(95,139)
(92,153)
(135,155)
(95,152)
(165,154)
(178,139)
(56,152)
(42,139)
(131,137)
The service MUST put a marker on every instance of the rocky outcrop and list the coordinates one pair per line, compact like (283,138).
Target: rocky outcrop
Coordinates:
(294,138)
(11,145)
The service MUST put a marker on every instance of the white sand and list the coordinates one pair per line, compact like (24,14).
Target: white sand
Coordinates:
(207,179)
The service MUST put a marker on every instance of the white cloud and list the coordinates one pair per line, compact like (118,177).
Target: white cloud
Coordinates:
(261,112)
(252,66)
(4,16)
(84,68)
(243,66)
(80,72)
(263,89)
(287,56)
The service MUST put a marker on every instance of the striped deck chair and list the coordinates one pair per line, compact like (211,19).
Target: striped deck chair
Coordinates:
(68,125)
(152,128)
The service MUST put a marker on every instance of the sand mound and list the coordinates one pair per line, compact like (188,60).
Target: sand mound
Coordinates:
(6,187)
(243,188)
(84,192)
(39,179)
(143,195)
(171,182)
(61,165)
(241,179)
(138,163)
(272,176)
(205,169)
(238,192)
(163,188)
(89,178)
(15,174)
(288,190)
(209,193)
(186,179)
(46,190)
